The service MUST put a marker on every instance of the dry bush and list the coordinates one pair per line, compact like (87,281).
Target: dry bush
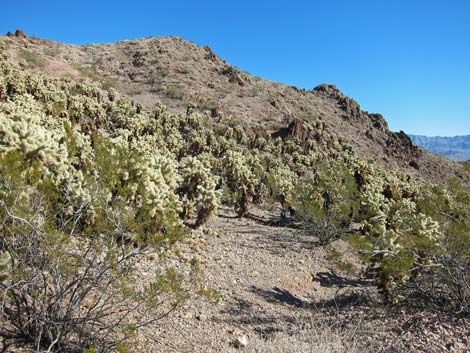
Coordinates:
(320,337)
(65,292)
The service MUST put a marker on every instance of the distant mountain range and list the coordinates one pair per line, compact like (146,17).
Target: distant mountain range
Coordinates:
(456,147)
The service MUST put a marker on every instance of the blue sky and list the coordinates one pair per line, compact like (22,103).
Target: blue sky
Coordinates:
(409,60)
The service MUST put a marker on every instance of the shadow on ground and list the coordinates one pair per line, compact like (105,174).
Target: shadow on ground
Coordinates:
(284,297)
(330,279)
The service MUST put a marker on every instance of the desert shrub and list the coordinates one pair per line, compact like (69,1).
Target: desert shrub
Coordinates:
(444,280)
(395,235)
(79,213)
(174,92)
(71,282)
(4,44)
(207,104)
(326,202)
(32,59)
(155,81)
(183,70)
(109,83)
(89,72)
(414,237)
(52,51)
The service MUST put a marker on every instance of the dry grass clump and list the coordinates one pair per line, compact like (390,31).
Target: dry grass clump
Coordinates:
(319,337)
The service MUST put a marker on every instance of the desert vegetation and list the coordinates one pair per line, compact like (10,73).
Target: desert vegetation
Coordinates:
(91,185)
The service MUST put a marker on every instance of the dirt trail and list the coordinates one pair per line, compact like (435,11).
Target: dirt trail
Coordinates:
(272,280)
(283,293)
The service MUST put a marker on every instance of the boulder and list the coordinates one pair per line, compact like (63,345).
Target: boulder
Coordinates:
(294,129)
(19,33)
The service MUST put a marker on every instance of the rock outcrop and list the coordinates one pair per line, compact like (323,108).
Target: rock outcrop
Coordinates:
(18,33)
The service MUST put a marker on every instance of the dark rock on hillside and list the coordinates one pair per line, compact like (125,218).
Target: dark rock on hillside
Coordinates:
(348,105)
(233,75)
(399,143)
(210,55)
(378,122)
(295,129)
(18,33)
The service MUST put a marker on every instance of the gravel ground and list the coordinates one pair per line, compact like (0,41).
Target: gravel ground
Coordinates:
(283,293)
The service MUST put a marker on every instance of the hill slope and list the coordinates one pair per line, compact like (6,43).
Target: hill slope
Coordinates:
(177,72)
(456,148)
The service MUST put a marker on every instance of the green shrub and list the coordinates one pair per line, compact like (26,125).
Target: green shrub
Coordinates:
(33,59)
(174,92)
(326,202)
(445,278)
(52,51)
(89,72)
(155,81)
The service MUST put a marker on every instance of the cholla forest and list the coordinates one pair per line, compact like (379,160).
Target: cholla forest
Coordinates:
(93,185)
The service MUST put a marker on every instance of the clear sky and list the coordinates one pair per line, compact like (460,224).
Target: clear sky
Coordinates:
(406,59)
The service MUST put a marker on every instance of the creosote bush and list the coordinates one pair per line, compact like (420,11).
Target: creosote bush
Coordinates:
(326,202)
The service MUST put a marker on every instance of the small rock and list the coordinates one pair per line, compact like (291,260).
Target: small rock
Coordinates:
(459,346)
(241,342)
(201,317)
(188,315)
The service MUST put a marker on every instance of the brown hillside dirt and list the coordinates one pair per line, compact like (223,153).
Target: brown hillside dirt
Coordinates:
(177,72)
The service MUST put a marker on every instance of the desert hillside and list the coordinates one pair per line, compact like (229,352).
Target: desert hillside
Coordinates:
(177,72)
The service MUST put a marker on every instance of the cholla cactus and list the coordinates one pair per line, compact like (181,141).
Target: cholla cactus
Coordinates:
(158,185)
(240,180)
(160,166)
(112,94)
(3,87)
(397,235)
(198,189)
(282,181)
(22,129)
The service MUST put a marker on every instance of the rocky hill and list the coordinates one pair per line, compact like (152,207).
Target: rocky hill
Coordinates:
(456,148)
(178,72)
